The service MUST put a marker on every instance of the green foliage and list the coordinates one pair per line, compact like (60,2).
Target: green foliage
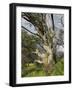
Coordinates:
(28,41)
(38,70)
(33,70)
(58,69)
(28,48)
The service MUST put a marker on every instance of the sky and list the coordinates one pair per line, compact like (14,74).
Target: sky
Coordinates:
(57,22)
(26,24)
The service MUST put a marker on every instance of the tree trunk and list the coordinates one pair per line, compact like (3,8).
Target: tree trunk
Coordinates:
(48,59)
(48,63)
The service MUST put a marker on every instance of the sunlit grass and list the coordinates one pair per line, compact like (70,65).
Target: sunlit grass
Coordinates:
(32,70)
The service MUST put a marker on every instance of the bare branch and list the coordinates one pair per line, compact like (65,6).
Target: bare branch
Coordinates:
(32,32)
(62,21)
(27,20)
(52,21)
(28,30)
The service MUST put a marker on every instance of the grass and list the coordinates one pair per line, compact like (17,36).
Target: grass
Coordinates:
(37,70)
(58,68)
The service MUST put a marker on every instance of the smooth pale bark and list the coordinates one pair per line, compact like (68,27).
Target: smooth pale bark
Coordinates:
(48,46)
(47,57)
(48,21)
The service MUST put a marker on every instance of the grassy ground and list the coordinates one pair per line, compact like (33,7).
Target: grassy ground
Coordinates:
(38,70)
